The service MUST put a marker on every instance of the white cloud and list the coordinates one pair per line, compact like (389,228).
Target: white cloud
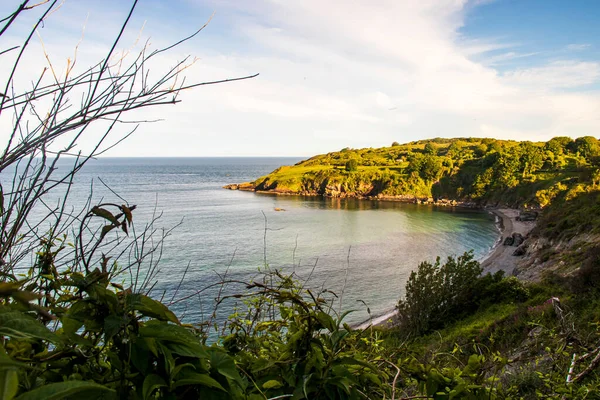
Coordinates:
(558,74)
(578,46)
(359,74)
(505,57)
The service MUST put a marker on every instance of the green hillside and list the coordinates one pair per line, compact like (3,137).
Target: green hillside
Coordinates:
(467,170)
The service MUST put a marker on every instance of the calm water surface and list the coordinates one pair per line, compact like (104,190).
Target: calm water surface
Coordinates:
(368,247)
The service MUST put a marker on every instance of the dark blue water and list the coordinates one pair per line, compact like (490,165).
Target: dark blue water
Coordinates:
(364,248)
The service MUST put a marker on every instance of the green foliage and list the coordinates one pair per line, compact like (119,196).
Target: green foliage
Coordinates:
(430,148)
(559,145)
(480,171)
(573,211)
(435,291)
(307,351)
(351,165)
(438,294)
(111,342)
(73,333)
(587,147)
(285,340)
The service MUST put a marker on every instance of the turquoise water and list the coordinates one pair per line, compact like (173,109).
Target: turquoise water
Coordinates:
(364,248)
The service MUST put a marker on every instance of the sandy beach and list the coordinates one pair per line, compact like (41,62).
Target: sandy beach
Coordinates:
(500,258)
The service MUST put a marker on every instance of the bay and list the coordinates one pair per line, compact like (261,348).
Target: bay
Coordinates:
(363,249)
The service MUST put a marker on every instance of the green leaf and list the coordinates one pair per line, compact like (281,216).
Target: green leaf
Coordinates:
(151,308)
(140,356)
(8,363)
(326,321)
(9,384)
(193,378)
(70,326)
(8,288)
(224,365)
(104,295)
(180,369)
(20,325)
(272,384)
(113,324)
(177,338)
(69,389)
(151,383)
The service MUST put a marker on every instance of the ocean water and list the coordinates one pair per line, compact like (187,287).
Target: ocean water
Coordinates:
(363,249)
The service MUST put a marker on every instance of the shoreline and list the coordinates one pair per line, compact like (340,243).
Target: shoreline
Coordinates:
(408,199)
(499,258)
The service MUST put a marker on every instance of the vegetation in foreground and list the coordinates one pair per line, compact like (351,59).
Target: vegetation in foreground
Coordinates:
(68,334)
(77,321)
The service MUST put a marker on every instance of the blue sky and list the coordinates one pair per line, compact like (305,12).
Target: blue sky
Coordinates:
(337,73)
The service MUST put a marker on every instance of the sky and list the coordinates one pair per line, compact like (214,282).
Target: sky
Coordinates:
(336,74)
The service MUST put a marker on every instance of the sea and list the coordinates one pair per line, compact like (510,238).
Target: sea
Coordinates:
(359,253)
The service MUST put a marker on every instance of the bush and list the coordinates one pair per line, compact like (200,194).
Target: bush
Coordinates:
(351,165)
(438,294)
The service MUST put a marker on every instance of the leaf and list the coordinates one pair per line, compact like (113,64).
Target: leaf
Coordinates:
(24,296)
(69,389)
(183,341)
(326,321)
(18,324)
(128,214)
(151,308)
(113,324)
(224,365)
(9,384)
(140,356)
(272,384)
(193,378)
(8,363)
(104,295)
(151,383)
(104,213)
(7,288)
(105,230)
(80,310)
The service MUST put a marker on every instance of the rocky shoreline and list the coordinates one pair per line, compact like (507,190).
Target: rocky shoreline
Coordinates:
(411,199)
(515,227)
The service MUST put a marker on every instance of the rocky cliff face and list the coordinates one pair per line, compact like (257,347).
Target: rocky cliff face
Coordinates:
(563,257)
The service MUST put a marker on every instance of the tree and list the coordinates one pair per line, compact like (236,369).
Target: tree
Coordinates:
(558,145)
(532,158)
(395,144)
(438,293)
(351,165)
(481,150)
(587,146)
(431,168)
(430,148)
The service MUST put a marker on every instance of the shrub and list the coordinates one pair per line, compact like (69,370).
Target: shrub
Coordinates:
(351,165)
(436,293)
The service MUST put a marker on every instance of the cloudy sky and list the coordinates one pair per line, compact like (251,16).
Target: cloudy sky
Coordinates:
(351,73)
